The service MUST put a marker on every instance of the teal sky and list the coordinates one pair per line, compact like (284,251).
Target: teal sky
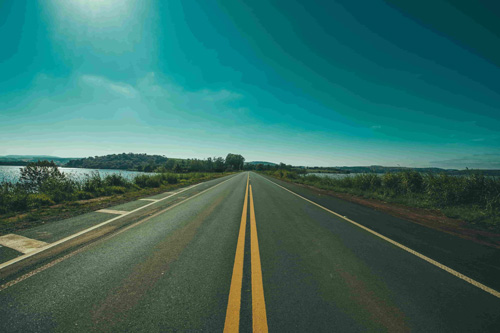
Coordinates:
(325,83)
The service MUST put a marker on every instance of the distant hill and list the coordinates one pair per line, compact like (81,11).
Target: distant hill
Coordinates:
(385,169)
(25,159)
(261,162)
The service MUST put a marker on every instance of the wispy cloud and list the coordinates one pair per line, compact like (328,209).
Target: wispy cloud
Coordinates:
(120,88)
(217,96)
(152,87)
(160,98)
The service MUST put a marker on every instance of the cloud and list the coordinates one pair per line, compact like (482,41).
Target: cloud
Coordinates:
(151,87)
(375,127)
(119,88)
(156,99)
(218,96)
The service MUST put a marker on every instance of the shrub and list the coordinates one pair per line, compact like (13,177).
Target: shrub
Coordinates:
(412,182)
(366,181)
(116,189)
(13,197)
(116,180)
(93,183)
(37,200)
(59,189)
(172,178)
(312,179)
(392,181)
(35,174)
(83,195)
(146,181)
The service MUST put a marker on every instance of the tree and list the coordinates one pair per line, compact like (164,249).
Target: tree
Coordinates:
(218,164)
(177,168)
(235,162)
(35,174)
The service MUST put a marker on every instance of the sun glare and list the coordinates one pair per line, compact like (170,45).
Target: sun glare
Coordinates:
(96,13)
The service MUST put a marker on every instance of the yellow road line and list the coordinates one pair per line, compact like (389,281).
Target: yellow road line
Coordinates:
(259,317)
(232,323)
(401,246)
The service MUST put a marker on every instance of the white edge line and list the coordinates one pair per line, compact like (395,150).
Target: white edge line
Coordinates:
(52,263)
(51,245)
(401,246)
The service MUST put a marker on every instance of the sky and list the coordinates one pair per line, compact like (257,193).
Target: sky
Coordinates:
(314,83)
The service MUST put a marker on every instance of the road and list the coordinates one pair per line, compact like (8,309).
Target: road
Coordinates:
(253,253)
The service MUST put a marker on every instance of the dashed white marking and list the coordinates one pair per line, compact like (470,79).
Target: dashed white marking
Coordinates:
(69,255)
(63,240)
(112,211)
(148,199)
(21,243)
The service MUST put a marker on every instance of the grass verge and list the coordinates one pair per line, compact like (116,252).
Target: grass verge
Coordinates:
(94,193)
(467,206)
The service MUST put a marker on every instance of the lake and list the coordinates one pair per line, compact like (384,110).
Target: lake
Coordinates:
(333,175)
(12,174)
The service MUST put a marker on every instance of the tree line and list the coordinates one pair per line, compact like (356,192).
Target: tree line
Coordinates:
(157,163)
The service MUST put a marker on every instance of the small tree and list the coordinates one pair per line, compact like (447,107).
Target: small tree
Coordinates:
(35,174)
(177,168)
(235,162)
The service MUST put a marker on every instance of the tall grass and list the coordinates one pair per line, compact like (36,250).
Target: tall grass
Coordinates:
(473,198)
(51,190)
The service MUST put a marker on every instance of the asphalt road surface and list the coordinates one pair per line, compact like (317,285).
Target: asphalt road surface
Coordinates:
(251,253)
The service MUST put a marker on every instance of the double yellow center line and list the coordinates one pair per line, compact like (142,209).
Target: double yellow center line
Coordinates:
(259,317)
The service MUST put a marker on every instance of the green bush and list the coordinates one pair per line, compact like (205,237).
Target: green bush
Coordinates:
(366,181)
(37,200)
(172,178)
(59,189)
(412,182)
(93,183)
(472,197)
(392,182)
(117,189)
(13,197)
(147,181)
(116,180)
(45,185)
(35,174)
(83,195)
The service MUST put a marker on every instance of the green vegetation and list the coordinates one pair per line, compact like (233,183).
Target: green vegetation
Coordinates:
(473,198)
(157,163)
(267,166)
(325,170)
(139,162)
(42,184)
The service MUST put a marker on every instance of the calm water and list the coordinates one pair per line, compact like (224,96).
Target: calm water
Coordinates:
(11,173)
(333,175)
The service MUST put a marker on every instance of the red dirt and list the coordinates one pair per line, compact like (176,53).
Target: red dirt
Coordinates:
(430,218)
